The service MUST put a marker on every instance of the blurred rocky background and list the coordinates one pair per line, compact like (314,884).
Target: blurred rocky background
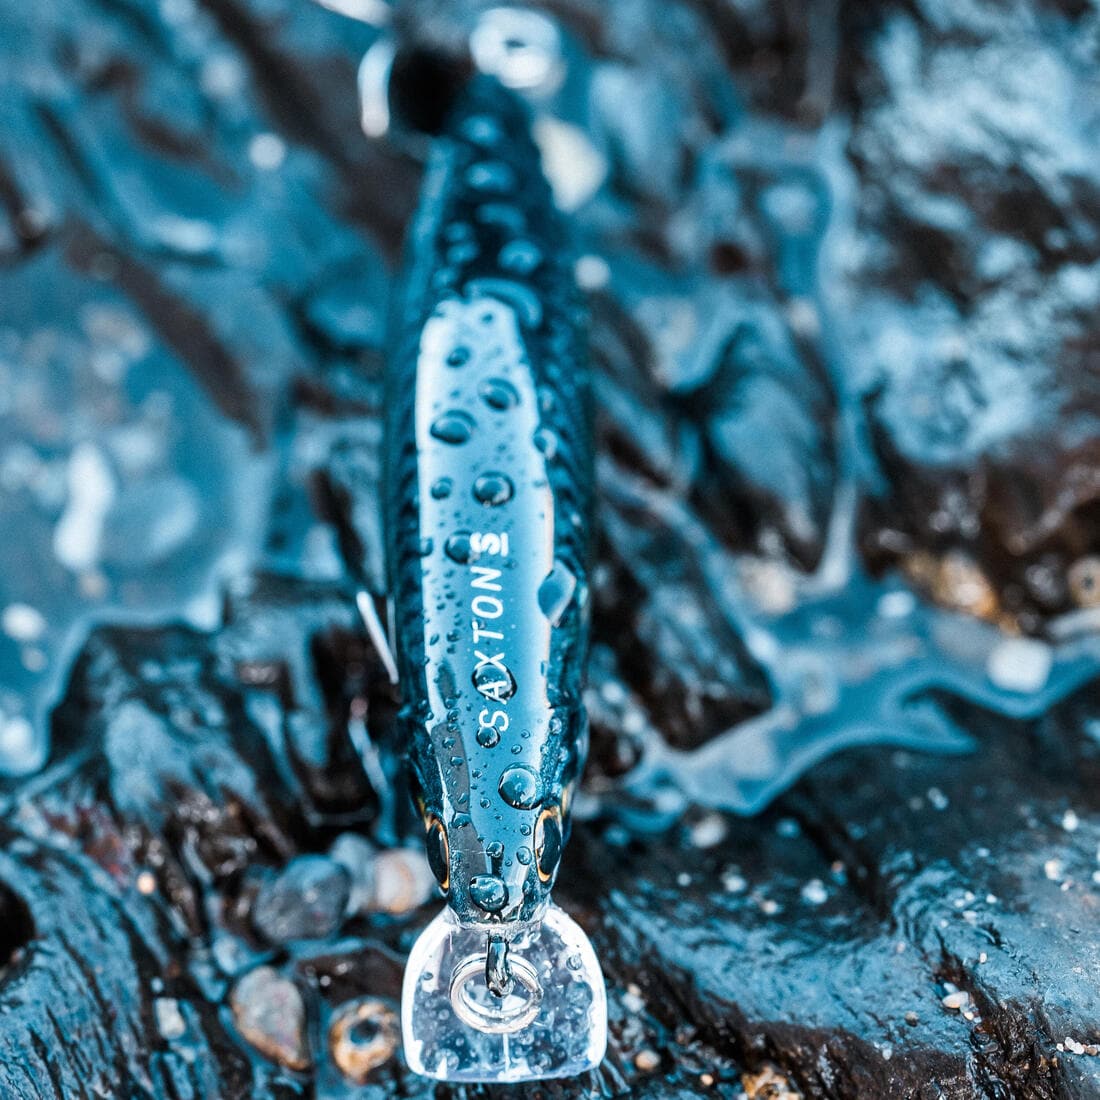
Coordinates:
(840,832)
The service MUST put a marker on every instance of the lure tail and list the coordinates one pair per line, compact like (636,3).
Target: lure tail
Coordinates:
(551,1022)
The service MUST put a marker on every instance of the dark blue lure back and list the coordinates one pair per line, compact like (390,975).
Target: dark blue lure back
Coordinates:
(488,493)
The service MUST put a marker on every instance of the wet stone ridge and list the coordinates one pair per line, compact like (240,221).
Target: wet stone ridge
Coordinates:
(822,246)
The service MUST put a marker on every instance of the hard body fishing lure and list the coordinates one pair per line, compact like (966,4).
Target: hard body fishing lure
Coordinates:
(488,483)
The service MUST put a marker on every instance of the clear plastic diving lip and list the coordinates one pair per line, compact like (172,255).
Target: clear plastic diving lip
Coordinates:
(553,1023)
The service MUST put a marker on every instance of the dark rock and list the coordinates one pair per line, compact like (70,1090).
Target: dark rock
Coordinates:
(974,293)
(198,245)
(681,655)
(764,418)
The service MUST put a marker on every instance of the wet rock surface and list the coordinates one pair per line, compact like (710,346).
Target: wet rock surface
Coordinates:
(842,276)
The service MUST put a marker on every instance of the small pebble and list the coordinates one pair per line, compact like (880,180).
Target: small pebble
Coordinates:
(1084,581)
(403,881)
(956,1000)
(647,1060)
(270,1014)
(364,1034)
(357,856)
(768,1084)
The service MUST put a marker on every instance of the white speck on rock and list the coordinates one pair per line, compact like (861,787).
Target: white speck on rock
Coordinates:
(957,1000)
(735,883)
(592,272)
(709,831)
(23,622)
(1020,664)
(267,152)
(170,1021)
(573,165)
(814,892)
(91,492)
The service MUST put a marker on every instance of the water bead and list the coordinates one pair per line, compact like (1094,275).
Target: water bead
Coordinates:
(455,427)
(498,394)
(493,488)
(458,549)
(494,683)
(519,787)
(488,737)
(520,257)
(488,892)
(546,442)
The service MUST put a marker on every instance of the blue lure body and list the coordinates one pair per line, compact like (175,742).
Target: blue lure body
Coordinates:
(488,490)
(488,494)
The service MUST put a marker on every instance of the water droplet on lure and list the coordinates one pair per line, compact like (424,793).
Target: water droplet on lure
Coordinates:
(493,488)
(458,357)
(488,737)
(556,592)
(491,175)
(520,257)
(458,549)
(481,129)
(453,427)
(488,892)
(441,489)
(519,787)
(546,442)
(498,394)
(494,682)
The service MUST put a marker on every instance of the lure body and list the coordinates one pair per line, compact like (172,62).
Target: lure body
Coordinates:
(488,492)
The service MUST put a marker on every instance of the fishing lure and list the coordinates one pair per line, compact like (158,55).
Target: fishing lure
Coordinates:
(488,484)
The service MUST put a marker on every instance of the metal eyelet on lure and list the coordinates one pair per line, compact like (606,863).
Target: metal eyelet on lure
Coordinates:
(488,481)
